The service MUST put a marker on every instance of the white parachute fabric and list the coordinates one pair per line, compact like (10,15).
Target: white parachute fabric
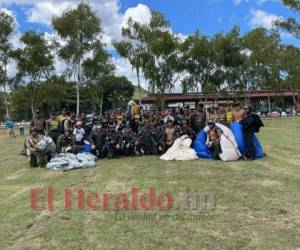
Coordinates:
(67,161)
(229,146)
(180,151)
(46,146)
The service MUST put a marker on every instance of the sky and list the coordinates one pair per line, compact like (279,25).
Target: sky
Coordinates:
(185,16)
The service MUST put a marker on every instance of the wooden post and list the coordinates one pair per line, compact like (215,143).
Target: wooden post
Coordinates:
(269,103)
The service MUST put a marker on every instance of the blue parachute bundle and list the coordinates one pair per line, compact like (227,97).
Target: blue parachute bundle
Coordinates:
(199,145)
(237,130)
(86,148)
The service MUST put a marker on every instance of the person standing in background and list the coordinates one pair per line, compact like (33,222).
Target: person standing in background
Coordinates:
(229,115)
(53,127)
(21,128)
(10,127)
(222,115)
(238,113)
(38,122)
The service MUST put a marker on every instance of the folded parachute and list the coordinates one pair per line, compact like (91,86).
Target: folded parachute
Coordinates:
(180,151)
(199,145)
(67,161)
(228,143)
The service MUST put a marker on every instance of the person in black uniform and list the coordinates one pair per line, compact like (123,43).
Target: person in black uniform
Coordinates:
(251,124)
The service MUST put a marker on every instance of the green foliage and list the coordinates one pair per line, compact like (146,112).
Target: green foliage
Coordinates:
(224,63)
(35,64)
(133,48)
(81,31)
(291,24)
(35,60)
(7,25)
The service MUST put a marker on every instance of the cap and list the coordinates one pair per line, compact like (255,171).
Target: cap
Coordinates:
(210,122)
(248,107)
(34,129)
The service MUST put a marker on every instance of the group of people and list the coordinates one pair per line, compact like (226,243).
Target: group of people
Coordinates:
(136,132)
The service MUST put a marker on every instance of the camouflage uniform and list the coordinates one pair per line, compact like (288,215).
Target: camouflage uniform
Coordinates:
(113,142)
(198,120)
(130,143)
(65,143)
(185,130)
(147,141)
(99,138)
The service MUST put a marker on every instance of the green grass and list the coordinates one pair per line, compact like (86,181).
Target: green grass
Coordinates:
(257,203)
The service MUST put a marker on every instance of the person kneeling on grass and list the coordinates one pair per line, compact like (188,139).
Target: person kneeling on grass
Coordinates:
(213,140)
(66,142)
(130,142)
(31,151)
(113,142)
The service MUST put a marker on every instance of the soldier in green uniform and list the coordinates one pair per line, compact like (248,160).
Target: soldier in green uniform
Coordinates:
(158,137)
(113,142)
(130,142)
(66,142)
(38,122)
(31,151)
(147,140)
(98,137)
(186,130)
(198,119)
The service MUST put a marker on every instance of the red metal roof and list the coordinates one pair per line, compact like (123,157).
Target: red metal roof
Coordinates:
(197,96)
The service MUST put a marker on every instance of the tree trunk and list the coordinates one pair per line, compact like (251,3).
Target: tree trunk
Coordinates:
(139,86)
(101,104)
(32,108)
(4,91)
(76,79)
(5,100)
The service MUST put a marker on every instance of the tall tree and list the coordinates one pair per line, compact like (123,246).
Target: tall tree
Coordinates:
(7,25)
(197,62)
(227,59)
(34,63)
(96,69)
(48,95)
(118,90)
(291,24)
(79,29)
(161,55)
(263,60)
(133,49)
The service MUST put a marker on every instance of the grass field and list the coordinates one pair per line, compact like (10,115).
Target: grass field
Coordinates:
(257,203)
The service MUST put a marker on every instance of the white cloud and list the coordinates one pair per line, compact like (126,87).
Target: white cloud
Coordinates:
(123,68)
(260,2)
(7,11)
(108,11)
(263,19)
(141,13)
(237,2)
(43,12)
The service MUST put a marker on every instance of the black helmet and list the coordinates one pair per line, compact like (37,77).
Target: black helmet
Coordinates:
(34,130)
